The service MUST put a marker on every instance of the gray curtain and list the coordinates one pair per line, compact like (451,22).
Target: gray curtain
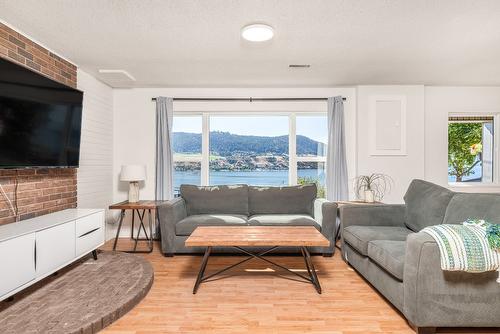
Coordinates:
(164,170)
(336,174)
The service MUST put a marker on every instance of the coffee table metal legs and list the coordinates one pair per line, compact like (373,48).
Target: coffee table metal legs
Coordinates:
(200,277)
(310,269)
(311,278)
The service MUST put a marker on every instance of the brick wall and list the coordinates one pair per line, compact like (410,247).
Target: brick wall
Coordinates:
(39,191)
(19,49)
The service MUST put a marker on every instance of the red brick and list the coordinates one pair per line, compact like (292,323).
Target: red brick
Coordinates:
(8,188)
(55,196)
(32,193)
(4,51)
(7,172)
(15,56)
(49,204)
(7,220)
(26,186)
(41,199)
(25,53)
(28,215)
(26,201)
(16,41)
(30,171)
(4,213)
(33,65)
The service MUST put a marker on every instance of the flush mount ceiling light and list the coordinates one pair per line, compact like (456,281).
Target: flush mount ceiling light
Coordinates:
(257,32)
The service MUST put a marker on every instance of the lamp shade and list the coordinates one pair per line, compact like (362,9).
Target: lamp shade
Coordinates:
(133,173)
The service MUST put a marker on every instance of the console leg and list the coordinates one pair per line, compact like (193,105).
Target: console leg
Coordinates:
(94,254)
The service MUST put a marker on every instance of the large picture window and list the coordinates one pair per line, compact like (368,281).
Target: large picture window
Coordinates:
(471,143)
(270,149)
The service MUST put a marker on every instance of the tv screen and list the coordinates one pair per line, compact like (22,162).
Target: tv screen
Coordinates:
(40,120)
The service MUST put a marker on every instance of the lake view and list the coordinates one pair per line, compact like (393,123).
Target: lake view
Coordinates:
(254,177)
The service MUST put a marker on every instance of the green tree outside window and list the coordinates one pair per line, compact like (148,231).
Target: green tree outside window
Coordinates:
(464,148)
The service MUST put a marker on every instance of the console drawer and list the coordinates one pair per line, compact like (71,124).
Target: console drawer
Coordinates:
(89,223)
(89,241)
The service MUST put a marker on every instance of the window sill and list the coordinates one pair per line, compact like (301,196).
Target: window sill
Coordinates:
(474,188)
(473,185)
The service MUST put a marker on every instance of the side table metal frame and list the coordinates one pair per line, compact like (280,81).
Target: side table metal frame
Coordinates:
(148,238)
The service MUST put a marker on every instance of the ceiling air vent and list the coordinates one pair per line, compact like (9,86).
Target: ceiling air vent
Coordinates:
(116,78)
(299,65)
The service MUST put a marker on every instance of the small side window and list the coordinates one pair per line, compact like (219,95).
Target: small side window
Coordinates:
(470,149)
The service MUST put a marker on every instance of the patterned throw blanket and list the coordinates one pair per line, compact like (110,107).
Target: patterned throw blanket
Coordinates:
(471,247)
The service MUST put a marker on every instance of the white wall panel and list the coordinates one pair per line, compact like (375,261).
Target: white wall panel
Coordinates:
(403,164)
(95,175)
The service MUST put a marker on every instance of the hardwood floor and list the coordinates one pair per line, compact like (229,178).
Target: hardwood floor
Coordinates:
(253,299)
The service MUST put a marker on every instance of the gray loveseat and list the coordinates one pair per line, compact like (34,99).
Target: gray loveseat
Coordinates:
(242,205)
(383,244)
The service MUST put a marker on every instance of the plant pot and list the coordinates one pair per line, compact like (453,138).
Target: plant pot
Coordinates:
(369,196)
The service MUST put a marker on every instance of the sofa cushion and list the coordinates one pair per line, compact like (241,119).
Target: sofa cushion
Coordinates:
(231,199)
(390,255)
(187,225)
(473,206)
(283,220)
(426,204)
(285,200)
(359,236)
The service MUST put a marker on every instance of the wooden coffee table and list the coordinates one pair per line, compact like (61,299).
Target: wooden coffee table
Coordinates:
(257,236)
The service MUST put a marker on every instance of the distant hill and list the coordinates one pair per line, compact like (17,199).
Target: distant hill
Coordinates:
(227,144)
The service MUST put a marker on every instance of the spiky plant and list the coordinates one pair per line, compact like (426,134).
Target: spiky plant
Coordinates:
(379,183)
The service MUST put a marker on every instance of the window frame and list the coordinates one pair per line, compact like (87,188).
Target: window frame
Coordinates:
(293,159)
(496,146)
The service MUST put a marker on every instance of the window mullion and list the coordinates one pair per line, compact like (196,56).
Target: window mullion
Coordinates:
(496,149)
(205,150)
(292,149)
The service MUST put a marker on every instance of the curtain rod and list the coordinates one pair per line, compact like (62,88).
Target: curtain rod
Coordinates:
(250,99)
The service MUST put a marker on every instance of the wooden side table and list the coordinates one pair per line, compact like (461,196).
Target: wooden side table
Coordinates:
(140,209)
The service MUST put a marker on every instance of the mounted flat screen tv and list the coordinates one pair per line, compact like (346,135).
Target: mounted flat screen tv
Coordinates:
(40,120)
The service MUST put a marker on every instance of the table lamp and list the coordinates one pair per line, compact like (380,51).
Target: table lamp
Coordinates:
(133,174)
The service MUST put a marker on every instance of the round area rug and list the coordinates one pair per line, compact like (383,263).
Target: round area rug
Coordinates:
(82,298)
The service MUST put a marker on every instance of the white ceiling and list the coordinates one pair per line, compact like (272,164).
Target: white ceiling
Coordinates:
(188,43)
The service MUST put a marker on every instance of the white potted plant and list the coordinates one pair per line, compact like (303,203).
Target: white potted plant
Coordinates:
(372,187)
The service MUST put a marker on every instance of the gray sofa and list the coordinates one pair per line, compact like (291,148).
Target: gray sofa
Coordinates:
(383,243)
(242,205)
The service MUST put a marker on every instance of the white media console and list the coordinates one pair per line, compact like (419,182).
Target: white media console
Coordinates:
(32,249)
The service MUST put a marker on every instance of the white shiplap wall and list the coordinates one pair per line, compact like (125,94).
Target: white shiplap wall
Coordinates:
(95,175)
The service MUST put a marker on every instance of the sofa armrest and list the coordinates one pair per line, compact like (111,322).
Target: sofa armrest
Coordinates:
(437,298)
(325,213)
(372,215)
(169,214)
